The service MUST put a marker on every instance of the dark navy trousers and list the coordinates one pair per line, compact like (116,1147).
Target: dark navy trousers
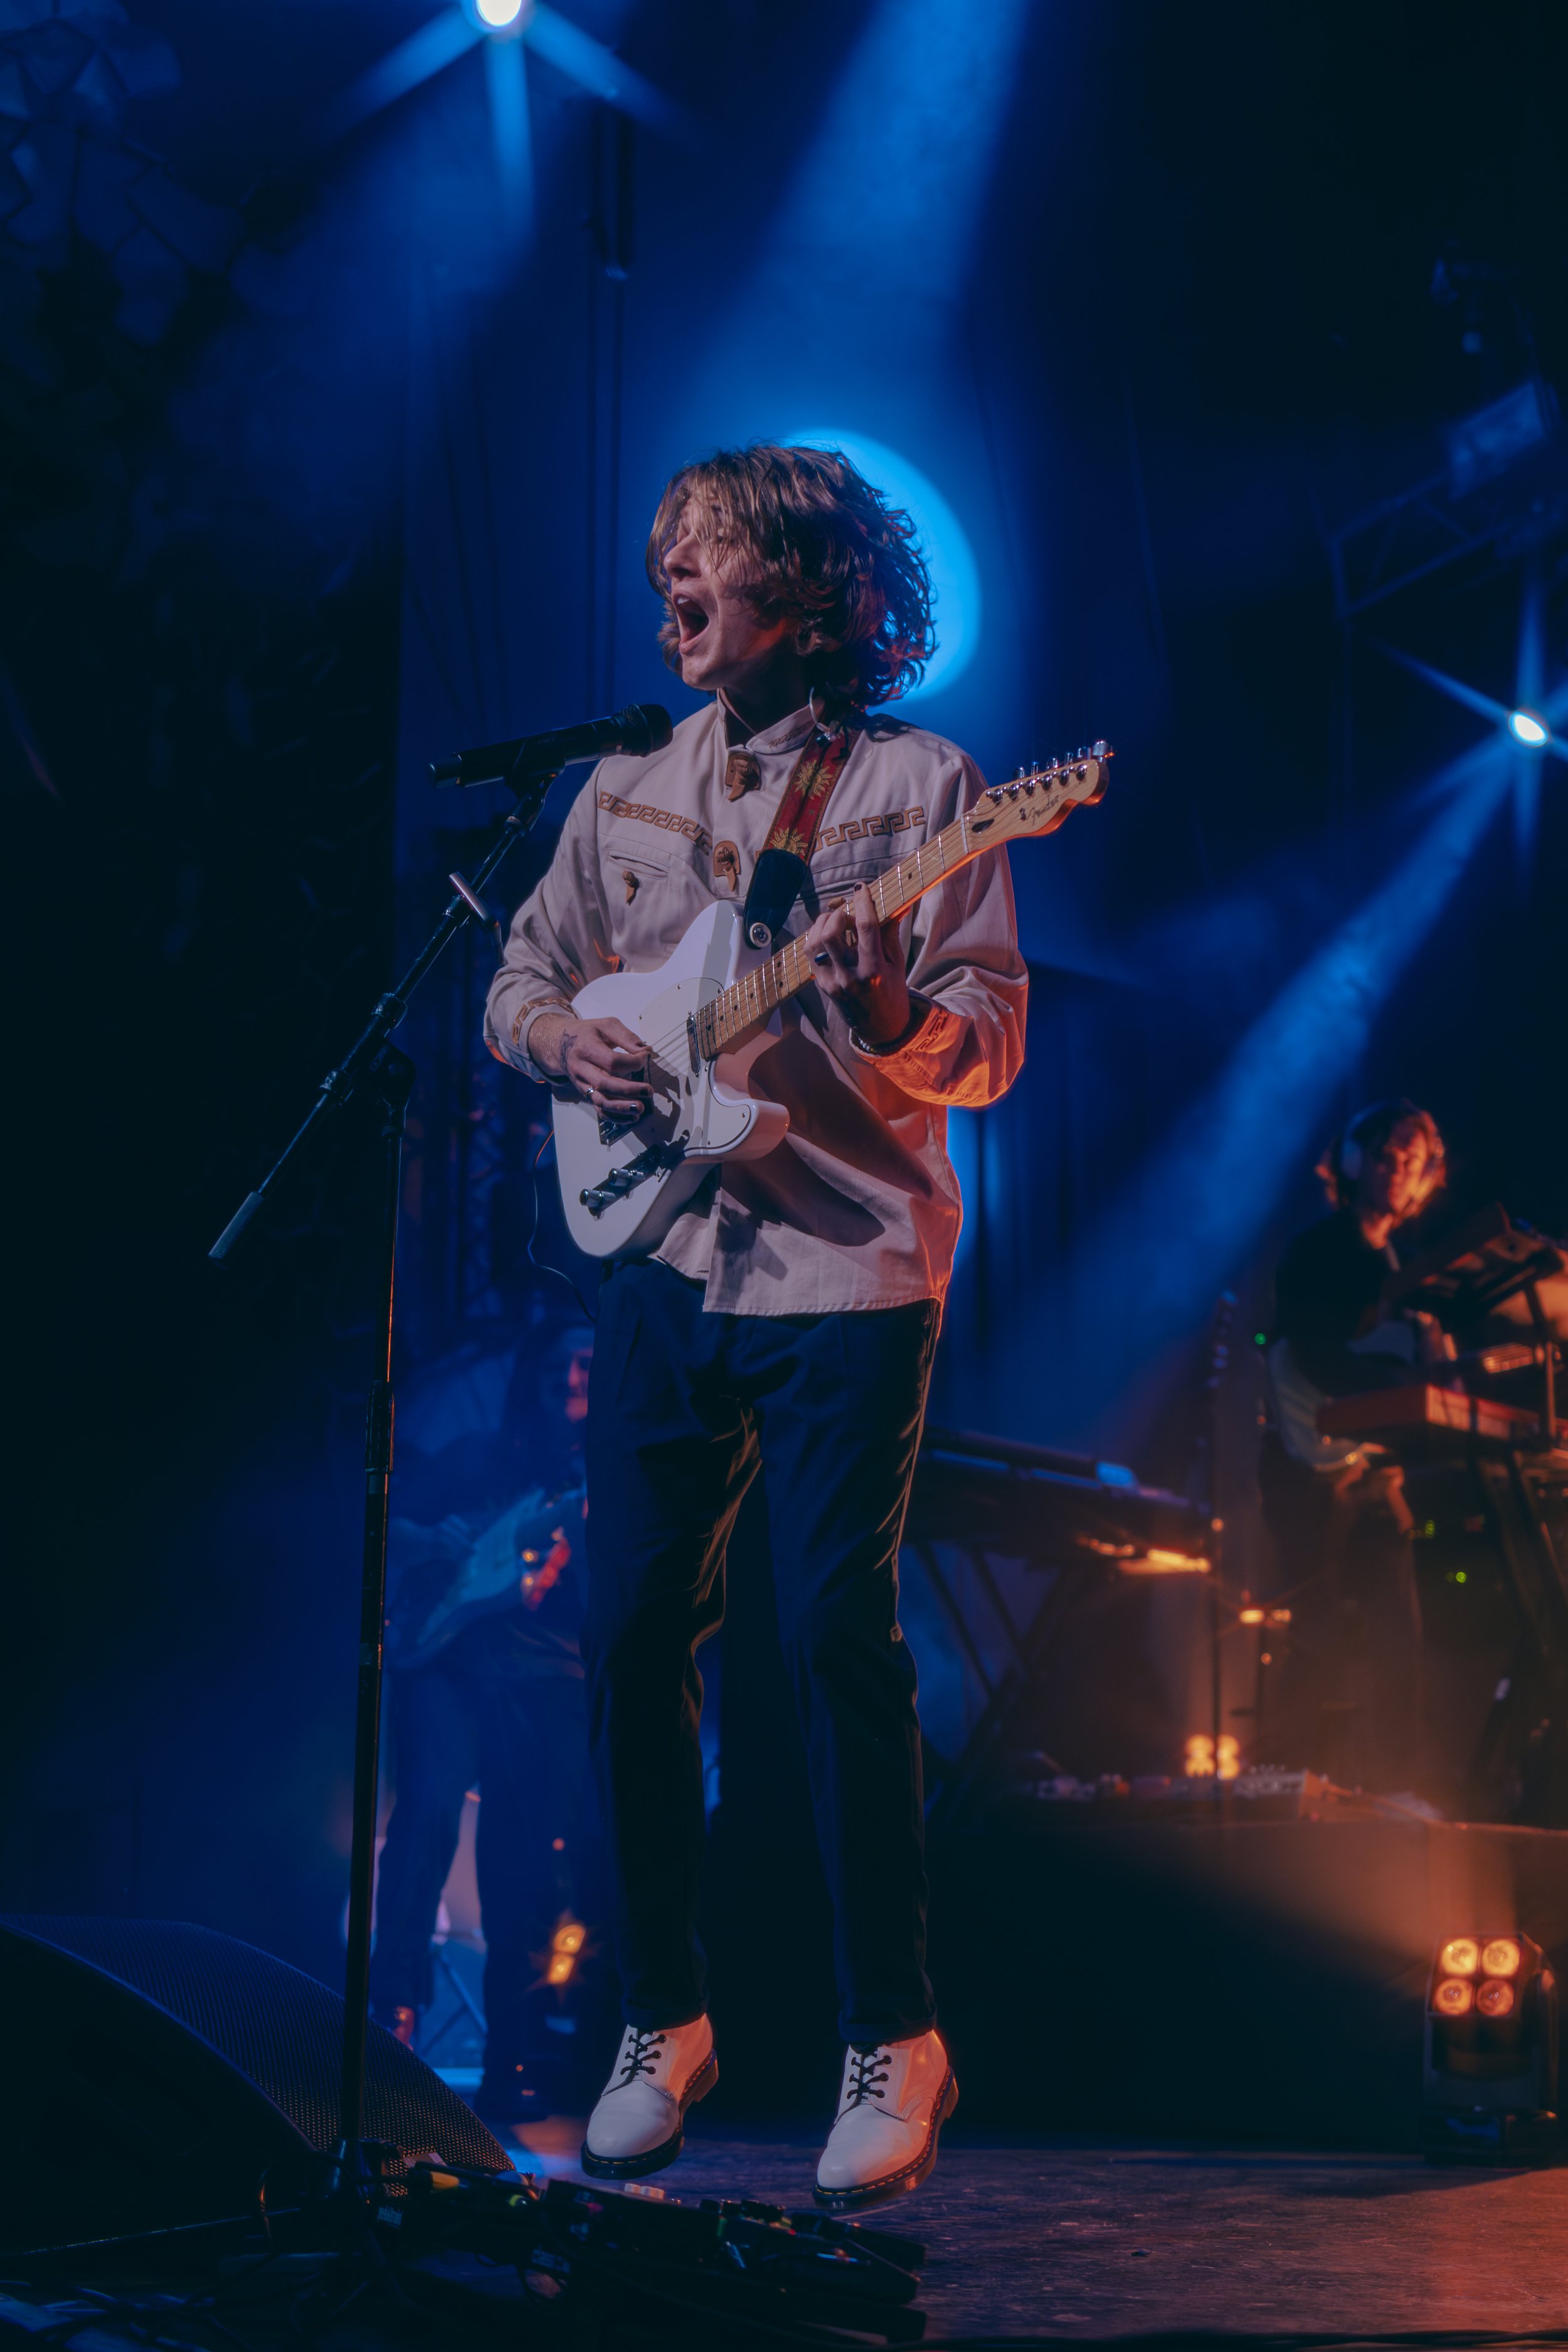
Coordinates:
(685,1409)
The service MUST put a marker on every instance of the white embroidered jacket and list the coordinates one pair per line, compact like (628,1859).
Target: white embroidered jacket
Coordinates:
(859,1207)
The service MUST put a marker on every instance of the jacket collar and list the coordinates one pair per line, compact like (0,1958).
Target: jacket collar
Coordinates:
(783,735)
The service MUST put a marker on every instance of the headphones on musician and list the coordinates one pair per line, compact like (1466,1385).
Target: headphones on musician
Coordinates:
(1342,1165)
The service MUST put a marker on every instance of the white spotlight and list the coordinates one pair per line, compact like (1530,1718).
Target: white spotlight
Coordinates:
(501,15)
(1525,728)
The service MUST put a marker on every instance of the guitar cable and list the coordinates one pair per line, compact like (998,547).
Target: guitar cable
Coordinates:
(539,1263)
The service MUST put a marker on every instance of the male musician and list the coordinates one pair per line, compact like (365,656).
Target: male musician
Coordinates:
(1339,1520)
(784,1329)
(486,1685)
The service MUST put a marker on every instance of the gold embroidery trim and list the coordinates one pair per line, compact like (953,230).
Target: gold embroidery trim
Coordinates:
(525,1014)
(665,819)
(861,828)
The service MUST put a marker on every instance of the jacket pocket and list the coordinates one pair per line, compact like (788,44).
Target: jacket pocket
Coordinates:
(628,872)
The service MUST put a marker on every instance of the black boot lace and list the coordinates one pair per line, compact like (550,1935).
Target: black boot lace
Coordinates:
(865,2081)
(639,2058)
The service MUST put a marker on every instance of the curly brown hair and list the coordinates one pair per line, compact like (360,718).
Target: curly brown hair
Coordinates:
(818,546)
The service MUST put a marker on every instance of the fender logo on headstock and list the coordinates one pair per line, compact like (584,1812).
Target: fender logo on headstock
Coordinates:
(1038,799)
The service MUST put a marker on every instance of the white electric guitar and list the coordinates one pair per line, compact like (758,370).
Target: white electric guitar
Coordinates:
(713,1006)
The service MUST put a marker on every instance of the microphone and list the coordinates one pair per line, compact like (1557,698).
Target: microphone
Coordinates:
(639,728)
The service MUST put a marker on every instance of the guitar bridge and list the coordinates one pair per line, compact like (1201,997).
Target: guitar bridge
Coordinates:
(654,1161)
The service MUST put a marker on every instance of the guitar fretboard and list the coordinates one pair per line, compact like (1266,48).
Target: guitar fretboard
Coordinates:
(737,1010)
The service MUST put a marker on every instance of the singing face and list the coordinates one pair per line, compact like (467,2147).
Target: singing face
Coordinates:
(1394,1178)
(723,646)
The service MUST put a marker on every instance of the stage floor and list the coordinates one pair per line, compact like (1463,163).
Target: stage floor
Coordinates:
(1091,2239)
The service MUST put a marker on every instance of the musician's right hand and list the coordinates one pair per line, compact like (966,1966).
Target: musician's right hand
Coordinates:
(604,1060)
(1433,1346)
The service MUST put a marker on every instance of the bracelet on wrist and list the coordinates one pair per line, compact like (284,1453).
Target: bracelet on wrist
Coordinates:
(920,1012)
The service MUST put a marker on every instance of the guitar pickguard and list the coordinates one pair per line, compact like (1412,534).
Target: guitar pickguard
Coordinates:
(623,1183)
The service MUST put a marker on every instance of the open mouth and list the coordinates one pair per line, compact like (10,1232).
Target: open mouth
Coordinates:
(690,618)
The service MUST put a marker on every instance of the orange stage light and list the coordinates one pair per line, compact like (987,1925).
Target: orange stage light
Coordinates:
(1155,1562)
(1488,2069)
(1198,1763)
(566,1950)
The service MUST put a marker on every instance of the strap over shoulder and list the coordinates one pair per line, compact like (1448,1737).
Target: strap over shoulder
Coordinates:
(782,868)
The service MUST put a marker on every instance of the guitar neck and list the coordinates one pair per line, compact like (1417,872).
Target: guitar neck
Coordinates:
(736,1010)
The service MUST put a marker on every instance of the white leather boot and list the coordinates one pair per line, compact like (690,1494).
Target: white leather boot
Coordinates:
(894,2102)
(636,2125)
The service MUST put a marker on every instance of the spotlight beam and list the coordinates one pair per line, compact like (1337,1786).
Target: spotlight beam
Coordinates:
(419,58)
(888,190)
(599,71)
(1215,1178)
(1483,704)
(506,71)
(1554,709)
(451,35)
(1455,688)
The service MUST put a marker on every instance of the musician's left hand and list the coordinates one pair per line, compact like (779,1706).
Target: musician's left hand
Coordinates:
(857,963)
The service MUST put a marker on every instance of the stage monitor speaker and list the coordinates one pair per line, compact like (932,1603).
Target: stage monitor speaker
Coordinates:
(150,2073)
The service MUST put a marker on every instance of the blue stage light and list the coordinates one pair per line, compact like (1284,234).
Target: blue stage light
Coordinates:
(954,574)
(1528,729)
(500,16)
(450,36)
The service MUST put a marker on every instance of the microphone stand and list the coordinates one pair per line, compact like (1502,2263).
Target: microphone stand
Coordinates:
(374,1072)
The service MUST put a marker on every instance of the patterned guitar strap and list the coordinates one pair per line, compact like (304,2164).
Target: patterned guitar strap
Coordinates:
(784,863)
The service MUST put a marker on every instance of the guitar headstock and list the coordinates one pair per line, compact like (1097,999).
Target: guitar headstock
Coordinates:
(1038,799)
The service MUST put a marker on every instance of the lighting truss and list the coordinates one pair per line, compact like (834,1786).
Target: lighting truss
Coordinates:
(1503,489)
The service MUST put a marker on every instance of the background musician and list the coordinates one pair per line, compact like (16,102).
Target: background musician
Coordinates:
(1337,1514)
(486,1686)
